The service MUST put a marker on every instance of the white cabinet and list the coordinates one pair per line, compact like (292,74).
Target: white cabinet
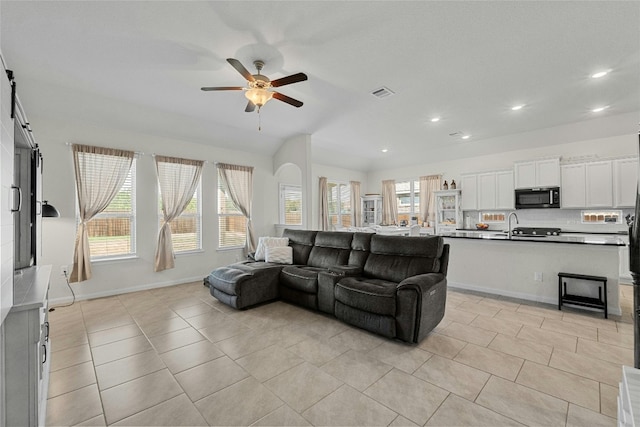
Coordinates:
(599,184)
(371,210)
(489,191)
(537,173)
(573,192)
(504,190)
(629,398)
(469,192)
(625,182)
(28,349)
(448,211)
(486,191)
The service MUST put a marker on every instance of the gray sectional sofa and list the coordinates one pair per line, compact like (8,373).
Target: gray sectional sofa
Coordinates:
(391,285)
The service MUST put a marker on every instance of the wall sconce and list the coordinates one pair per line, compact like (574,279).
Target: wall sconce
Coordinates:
(48,211)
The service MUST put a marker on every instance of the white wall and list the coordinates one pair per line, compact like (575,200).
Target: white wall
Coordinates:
(111,277)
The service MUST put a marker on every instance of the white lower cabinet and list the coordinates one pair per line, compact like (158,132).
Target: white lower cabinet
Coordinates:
(27,350)
(629,398)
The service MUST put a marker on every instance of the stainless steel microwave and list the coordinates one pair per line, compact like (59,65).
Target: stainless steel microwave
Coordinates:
(536,198)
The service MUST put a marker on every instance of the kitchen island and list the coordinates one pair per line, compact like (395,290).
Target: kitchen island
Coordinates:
(527,267)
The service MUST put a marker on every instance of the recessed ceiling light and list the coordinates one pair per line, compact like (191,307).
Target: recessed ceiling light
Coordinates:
(466,136)
(600,74)
(517,107)
(599,109)
(435,119)
(384,150)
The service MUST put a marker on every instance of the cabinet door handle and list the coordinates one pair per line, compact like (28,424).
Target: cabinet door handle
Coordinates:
(46,336)
(13,187)
(44,357)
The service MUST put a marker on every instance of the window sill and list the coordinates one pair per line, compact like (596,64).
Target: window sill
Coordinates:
(235,248)
(186,253)
(114,259)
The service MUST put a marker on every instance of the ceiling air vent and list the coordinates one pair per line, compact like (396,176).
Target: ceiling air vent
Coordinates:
(382,92)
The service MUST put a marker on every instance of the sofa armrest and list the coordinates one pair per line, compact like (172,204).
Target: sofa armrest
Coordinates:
(420,306)
(422,282)
(346,270)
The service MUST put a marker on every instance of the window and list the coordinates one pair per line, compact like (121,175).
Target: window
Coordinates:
(408,198)
(186,229)
(602,217)
(232,225)
(290,204)
(492,217)
(112,233)
(339,195)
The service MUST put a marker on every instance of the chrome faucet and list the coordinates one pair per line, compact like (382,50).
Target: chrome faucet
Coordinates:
(509,221)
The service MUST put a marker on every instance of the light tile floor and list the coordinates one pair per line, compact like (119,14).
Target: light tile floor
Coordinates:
(176,356)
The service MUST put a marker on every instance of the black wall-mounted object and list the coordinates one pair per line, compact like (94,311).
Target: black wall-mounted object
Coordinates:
(13,93)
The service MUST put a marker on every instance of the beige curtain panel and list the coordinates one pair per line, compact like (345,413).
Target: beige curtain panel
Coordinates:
(178,180)
(100,173)
(356,204)
(238,180)
(389,203)
(324,203)
(428,186)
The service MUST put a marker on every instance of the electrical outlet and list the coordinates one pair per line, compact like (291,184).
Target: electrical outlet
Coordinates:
(537,276)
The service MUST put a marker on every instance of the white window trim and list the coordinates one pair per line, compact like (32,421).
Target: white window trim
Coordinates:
(281,197)
(134,216)
(341,211)
(412,196)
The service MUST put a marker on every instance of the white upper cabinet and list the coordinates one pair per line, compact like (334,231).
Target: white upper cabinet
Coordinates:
(625,182)
(504,190)
(599,184)
(487,190)
(573,193)
(537,173)
(469,192)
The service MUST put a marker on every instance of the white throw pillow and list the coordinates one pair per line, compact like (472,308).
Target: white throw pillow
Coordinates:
(279,254)
(264,242)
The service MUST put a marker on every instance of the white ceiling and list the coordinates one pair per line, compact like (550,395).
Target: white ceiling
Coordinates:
(139,66)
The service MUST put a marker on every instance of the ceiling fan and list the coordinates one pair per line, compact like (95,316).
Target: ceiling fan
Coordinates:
(258,91)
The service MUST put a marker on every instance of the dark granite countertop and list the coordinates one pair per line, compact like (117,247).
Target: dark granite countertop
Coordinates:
(583,239)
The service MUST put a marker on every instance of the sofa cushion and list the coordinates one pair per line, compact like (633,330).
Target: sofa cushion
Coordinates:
(266,242)
(330,248)
(280,254)
(302,278)
(360,247)
(301,241)
(370,295)
(394,258)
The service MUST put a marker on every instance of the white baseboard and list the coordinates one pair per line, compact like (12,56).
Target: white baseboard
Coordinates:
(66,300)
(518,295)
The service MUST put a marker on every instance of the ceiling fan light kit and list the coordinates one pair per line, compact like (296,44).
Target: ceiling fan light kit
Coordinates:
(258,86)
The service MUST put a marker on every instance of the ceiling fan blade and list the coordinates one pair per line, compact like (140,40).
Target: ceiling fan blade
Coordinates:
(222,88)
(240,68)
(250,107)
(287,99)
(294,78)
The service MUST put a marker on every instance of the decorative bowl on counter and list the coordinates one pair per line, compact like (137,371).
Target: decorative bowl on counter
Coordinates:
(482,226)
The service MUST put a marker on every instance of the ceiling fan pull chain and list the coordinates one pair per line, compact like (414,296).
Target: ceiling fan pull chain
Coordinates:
(259,120)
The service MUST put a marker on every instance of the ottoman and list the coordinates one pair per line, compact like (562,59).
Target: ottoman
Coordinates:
(245,284)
